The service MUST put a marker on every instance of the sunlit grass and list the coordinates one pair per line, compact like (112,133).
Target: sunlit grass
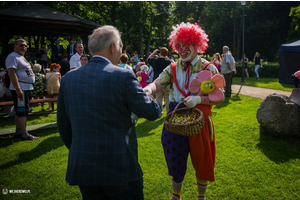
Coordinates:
(248,165)
(271,83)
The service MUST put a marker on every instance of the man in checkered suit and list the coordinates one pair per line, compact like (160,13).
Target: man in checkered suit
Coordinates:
(94,119)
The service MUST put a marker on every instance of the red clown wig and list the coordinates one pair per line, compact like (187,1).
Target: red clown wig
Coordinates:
(188,34)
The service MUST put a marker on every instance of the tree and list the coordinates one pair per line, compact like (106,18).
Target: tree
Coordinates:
(267,27)
(146,25)
(294,32)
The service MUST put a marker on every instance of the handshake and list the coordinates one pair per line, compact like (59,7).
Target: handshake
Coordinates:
(148,91)
(190,101)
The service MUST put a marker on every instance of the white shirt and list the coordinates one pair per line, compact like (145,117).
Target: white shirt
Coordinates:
(24,72)
(75,61)
(227,59)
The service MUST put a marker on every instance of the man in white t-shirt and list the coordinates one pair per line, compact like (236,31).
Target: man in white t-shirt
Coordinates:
(75,59)
(22,78)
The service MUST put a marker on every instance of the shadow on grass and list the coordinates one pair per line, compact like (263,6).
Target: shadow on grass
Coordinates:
(279,150)
(8,140)
(227,101)
(287,85)
(144,129)
(10,121)
(235,97)
(45,146)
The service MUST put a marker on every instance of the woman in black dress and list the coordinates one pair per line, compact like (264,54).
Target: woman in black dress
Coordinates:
(246,65)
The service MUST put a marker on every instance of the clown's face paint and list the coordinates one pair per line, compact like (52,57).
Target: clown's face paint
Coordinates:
(187,54)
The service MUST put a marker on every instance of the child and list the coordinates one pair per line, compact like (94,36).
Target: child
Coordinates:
(143,76)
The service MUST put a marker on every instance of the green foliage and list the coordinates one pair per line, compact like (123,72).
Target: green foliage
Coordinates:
(294,33)
(269,69)
(267,24)
(188,11)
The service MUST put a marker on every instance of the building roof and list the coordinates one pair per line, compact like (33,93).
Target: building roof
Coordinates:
(36,19)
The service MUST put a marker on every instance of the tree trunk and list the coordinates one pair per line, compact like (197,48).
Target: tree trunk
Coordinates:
(200,8)
(233,52)
(238,47)
(140,37)
(150,33)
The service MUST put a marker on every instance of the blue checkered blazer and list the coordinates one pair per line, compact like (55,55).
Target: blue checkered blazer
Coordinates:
(94,108)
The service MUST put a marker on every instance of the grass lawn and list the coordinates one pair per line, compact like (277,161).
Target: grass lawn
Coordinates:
(248,165)
(31,120)
(271,83)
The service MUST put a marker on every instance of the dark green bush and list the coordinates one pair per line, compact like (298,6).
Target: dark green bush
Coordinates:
(269,70)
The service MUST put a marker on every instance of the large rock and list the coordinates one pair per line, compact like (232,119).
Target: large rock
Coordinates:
(279,117)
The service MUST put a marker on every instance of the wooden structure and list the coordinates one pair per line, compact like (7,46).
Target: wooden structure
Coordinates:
(35,19)
(50,98)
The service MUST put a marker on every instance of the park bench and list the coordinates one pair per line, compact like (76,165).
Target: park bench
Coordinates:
(49,98)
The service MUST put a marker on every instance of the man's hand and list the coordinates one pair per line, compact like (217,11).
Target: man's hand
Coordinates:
(192,101)
(148,91)
(19,94)
(234,71)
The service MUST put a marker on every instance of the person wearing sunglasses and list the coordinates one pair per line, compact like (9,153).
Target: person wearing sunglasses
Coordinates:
(22,79)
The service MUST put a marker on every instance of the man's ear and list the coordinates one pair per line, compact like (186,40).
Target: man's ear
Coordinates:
(111,48)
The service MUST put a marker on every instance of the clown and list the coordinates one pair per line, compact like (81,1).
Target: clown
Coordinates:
(188,40)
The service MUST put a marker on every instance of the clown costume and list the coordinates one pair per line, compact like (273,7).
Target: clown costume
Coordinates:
(187,40)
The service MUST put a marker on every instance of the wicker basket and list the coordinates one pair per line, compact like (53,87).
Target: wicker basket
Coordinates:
(188,129)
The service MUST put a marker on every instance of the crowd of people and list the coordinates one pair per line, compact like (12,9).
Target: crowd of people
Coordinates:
(146,70)
(160,59)
(22,81)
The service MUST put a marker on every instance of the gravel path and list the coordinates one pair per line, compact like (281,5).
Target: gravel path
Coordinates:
(261,93)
